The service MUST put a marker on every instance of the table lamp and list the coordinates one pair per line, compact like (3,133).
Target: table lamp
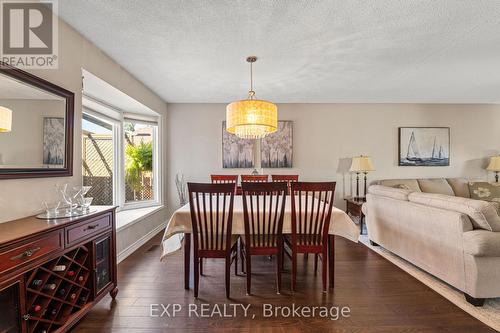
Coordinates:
(361,164)
(494,166)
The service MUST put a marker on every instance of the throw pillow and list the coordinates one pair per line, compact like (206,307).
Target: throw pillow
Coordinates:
(402,186)
(436,185)
(485,191)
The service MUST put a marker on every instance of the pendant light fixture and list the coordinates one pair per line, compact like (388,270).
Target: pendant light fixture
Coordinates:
(251,118)
(5,119)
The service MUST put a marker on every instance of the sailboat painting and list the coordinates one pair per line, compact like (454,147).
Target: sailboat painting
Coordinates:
(424,146)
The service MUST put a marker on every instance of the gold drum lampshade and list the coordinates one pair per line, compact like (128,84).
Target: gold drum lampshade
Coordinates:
(494,164)
(362,164)
(251,118)
(5,119)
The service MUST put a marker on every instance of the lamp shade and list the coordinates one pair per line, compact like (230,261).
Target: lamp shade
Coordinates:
(5,119)
(251,118)
(494,164)
(362,164)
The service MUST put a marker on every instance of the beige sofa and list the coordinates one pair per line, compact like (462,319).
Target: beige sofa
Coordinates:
(434,224)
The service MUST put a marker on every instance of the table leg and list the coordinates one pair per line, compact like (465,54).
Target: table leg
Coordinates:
(331,260)
(187,259)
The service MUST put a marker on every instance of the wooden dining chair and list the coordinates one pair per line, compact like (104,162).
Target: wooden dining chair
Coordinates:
(211,207)
(254,178)
(285,178)
(263,209)
(312,204)
(224,179)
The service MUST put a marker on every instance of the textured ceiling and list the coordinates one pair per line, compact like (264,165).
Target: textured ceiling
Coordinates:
(309,51)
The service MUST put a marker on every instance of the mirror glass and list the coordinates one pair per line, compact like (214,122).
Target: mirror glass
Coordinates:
(36,137)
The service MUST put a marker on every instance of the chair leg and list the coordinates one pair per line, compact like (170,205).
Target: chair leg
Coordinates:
(316,263)
(294,269)
(242,259)
(196,274)
(248,260)
(278,271)
(236,262)
(201,266)
(228,276)
(282,261)
(324,267)
(282,258)
(187,259)
(331,260)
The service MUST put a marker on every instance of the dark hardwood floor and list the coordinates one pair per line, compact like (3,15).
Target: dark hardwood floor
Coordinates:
(381,297)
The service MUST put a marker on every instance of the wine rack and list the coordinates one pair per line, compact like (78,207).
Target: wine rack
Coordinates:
(52,274)
(58,289)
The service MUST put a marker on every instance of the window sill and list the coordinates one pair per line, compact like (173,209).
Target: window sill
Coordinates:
(127,218)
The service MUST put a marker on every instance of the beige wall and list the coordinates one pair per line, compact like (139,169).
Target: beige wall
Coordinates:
(24,145)
(20,198)
(325,133)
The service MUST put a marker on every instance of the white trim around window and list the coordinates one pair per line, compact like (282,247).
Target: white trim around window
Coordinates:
(119,158)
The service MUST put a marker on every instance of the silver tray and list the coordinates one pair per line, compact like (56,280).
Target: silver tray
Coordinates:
(63,214)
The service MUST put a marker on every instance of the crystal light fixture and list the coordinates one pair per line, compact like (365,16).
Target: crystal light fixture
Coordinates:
(5,119)
(251,118)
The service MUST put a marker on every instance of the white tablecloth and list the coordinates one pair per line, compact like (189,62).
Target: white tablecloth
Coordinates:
(180,223)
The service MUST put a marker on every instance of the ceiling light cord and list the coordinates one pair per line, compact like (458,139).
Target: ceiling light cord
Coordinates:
(251,92)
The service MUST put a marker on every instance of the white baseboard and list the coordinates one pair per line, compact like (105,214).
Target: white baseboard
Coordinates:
(140,242)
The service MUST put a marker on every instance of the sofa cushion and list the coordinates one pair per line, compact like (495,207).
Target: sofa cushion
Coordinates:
(407,184)
(389,192)
(483,214)
(436,185)
(460,187)
(482,243)
(485,191)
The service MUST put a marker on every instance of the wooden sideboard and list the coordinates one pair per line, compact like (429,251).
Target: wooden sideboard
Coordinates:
(53,272)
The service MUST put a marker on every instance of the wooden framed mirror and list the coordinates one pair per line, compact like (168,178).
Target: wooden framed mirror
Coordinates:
(36,126)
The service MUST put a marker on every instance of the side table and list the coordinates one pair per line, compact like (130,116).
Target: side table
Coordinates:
(353,208)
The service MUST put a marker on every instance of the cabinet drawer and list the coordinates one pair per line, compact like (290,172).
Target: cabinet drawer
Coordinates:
(81,231)
(30,251)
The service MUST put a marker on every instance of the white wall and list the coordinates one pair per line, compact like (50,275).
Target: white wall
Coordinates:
(325,133)
(21,198)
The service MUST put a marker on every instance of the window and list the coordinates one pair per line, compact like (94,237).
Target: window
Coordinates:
(98,159)
(140,140)
(120,160)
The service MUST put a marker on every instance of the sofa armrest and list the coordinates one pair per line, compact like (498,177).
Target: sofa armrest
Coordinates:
(482,243)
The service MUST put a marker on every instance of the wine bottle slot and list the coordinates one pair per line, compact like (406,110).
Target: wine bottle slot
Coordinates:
(37,283)
(59,268)
(52,311)
(49,286)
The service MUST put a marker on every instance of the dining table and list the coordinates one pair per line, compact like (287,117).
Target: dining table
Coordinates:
(179,228)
